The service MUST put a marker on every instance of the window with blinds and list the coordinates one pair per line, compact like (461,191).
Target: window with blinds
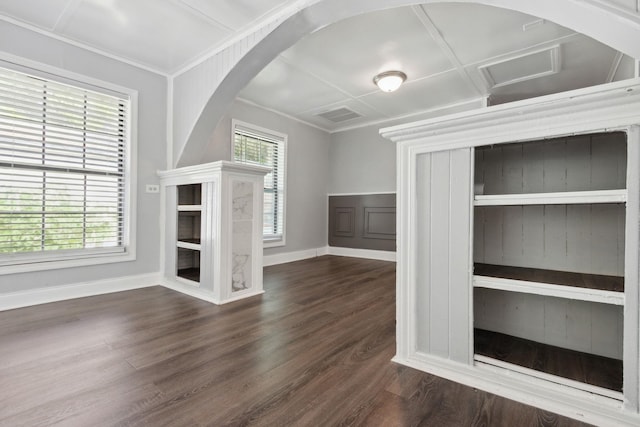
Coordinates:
(262,147)
(62,167)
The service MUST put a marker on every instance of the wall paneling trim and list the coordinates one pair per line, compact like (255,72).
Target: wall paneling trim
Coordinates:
(364,221)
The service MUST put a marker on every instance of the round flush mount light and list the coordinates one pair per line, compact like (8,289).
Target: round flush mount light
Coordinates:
(389,80)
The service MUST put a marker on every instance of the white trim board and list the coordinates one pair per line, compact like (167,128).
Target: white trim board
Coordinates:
(283,258)
(362,253)
(38,296)
(371,193)
(525,120)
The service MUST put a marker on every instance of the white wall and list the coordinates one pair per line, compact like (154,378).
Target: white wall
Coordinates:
(152,101)
(361,161)
(307,169)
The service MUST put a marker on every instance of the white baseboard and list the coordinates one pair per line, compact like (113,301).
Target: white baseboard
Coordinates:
(283,258)
(196,292)
(362,253)
(327,250)
(323,251)
(566,401)
(191,290)
(31,297)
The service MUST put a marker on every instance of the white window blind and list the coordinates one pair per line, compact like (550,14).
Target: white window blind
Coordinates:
(261,148)
(62,166)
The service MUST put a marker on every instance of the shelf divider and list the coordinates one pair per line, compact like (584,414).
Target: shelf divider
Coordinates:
(189,208)
(188,245)
(546,289)
(558,198)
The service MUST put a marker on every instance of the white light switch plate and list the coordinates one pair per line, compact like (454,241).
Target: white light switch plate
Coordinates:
(153,188)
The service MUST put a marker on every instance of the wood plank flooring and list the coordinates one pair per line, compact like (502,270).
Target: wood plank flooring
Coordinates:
(314,350)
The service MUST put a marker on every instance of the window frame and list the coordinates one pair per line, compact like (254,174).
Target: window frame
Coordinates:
(48,260)
(268,241)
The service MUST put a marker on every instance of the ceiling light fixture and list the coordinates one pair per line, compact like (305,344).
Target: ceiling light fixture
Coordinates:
(389,80)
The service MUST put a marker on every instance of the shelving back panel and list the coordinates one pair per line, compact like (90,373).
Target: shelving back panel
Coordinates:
(585,238)
(577,238)
(589,327)
(189,194)
(189,226)
(574,163)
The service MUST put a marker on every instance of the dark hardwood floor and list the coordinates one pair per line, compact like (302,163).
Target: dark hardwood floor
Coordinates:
(314,350)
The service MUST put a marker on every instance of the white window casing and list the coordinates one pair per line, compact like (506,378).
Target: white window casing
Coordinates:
(66,183)
(259,146)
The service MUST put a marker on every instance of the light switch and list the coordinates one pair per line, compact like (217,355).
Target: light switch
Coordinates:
(153,188)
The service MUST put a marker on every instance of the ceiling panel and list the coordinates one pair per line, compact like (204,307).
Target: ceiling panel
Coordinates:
(234,13)
(585,62)
(477,33)
(522,67)
(627,4)
(413,97)
(351,52)
(289,90)
(40,13)
(163,35)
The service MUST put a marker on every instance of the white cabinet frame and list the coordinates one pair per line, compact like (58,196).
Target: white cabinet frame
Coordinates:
(604,108)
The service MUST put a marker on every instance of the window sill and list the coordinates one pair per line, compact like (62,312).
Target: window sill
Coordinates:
(56,262)
(273,243)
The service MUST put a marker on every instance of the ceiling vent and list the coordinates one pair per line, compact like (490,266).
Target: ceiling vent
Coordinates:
(520,68)
(339,115)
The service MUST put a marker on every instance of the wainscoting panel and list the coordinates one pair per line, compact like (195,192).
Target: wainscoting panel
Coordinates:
(380,223)
(366,221)
(345,222)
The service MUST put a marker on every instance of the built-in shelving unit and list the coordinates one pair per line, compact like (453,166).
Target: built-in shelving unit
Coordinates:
(553,259)
(213,244)
(518,250)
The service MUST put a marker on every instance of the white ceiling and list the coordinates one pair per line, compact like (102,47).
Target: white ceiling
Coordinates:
(443,49)
(164,35)
(452,53)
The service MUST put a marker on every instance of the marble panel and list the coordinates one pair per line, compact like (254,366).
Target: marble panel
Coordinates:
(242,199)
(242,238)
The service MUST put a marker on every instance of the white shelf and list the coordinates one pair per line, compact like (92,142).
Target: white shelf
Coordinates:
(187,245)
(189,208)
(546,289)
(558,198)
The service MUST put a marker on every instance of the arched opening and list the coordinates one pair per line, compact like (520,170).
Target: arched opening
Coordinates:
(611,26)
